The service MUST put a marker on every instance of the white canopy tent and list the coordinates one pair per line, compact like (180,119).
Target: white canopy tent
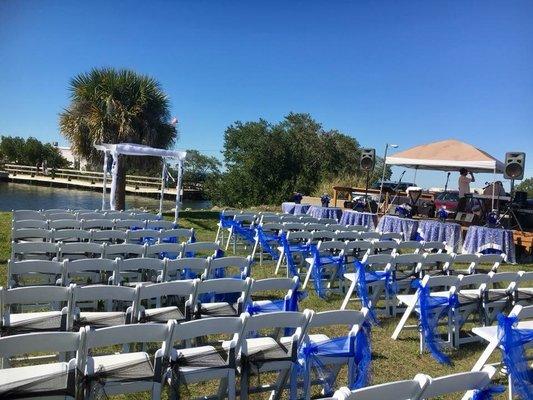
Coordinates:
(115,150)
(447,155)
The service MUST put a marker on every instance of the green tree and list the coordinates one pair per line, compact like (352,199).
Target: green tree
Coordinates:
(198,167)
(30,152)
(117,106)
(526,186)
(12,149)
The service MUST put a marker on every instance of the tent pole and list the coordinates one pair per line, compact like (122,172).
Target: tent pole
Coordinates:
(414,178)
(493,185)
(163,176)
(104,183)
(178,190)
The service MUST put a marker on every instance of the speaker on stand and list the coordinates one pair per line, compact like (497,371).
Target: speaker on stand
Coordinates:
(513,169)
(367,163)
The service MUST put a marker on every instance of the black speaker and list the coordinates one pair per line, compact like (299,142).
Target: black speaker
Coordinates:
(515,163)
(368,159)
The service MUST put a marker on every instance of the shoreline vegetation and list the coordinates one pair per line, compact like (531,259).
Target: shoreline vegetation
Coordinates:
(392,360)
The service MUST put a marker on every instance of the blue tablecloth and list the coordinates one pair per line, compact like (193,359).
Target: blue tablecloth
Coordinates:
(290,207)
(406,226)
(436,231)
(482,239)
(351,217)
(325,212)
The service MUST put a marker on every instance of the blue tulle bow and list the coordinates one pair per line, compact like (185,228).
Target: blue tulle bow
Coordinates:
(225,222)
(319,261)
(513,342)
(355,347)
(431,310)
(247,234)
(488,393)
(289,249)
(265,241)
(364,277)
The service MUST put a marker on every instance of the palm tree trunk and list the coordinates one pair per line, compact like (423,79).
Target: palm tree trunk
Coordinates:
(120,195)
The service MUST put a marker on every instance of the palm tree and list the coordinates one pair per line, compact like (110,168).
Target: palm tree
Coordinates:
(116,106)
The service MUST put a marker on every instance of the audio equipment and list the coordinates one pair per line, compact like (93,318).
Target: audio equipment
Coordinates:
(514,165)
(368,159)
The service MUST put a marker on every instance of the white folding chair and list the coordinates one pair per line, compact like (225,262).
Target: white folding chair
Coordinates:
(109,236)
(30,223)
(399,390)
(164,250)
(30,235)
(117,307)
(499,294)
(34,251)
(69,235)
(64,224)
(165,301)
(233,266)
(140,270)
(226,216)
(335,320)
(461,382)
(80,250)
(205,360)
(90,271)
(19,215)
(246,222)
(125,250)
(263,291)
(102,223)
(259,353)
(298,247)
(178,235)
(357,249)
(126,372)
(33,272)
(186,268)
(34,308)
(222,297)
(268,242)
(141,236)
(325,266)
(54,380)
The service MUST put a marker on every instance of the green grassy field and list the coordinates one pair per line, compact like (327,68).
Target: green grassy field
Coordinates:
(392,360)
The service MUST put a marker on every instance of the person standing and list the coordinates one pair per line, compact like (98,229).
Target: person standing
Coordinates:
(464,187)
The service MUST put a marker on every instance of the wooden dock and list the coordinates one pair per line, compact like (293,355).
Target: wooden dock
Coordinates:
(91,180)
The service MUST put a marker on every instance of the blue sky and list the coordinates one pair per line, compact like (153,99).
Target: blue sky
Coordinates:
(406,72)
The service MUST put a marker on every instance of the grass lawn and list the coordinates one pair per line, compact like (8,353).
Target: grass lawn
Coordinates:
(392,360)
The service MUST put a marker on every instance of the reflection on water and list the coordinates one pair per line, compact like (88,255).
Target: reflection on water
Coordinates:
(18,196)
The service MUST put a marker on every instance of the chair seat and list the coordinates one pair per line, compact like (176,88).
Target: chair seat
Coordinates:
(35,380)
(162,314)
(121,367)
(198,359)
(33,321)
(264,349)
(99,319)
(466,295)
(408,298)
(219,309)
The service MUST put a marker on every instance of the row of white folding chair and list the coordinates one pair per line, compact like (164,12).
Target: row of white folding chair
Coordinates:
(49,308)
(55,214)
(486,298)
(77,250)
(121,271)
(422,387)
(86,224)
(107,235)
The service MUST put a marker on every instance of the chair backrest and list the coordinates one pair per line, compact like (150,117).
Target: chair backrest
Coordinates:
(499,277)
(432,246)
(197,266)
(30,234)
(140,235)
(338,317)
(34,295)
(59,342)
(410,259)
(269,218)
(205,248)
(152,267)
(399,390)
(440,280)
(332,246)
(492,260)
(75,250)
(298,236)
(263,285)
(206,327)
(224,285)
(460,382)
(129,224)
(144,216)
(118,215)
(370,235)
(103,292)
(87,224)
(108,236)
(181,234)
(64,224)
(315,226)
(233,266)
(358,245)
(391,235)
(522,312)
(327,221)
(323,235)
(377,260)
(278,319)
(133,333)
(382,245)
(293,226)
(355,228)
(45,268)
(184,288)
(414,245)
(160,224)
(306,218)
(333,227)
(465,258)
(291,219)
(245,218)
(162,250)
(349,235)
(92,215)
(124,250)
(55,216)
(432,258)
(81,266)
(34,251)
(474,279)
(69,235)
(30,223)
(28,214)
(272,226)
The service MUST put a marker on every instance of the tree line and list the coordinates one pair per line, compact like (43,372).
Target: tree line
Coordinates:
(31,152)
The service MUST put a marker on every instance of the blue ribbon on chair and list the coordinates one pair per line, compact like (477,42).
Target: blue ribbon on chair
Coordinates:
(265,239)
(248,234)
(316,271)
(225,222)
(288,249)
(512,342)
(488,393)
(290,304)
(356,347)
(431,310)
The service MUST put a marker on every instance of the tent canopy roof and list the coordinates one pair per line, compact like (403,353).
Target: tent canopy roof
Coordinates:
(446,155)
(132,149)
